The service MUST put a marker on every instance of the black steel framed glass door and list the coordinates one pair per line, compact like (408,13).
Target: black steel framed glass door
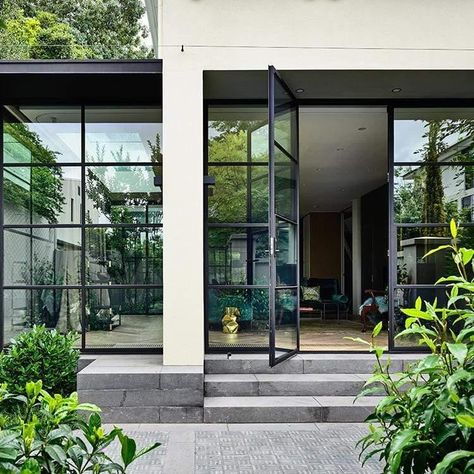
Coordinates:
(283,219)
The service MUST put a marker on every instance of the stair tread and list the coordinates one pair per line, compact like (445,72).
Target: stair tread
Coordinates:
(288,401)
(318,356)
(239,378)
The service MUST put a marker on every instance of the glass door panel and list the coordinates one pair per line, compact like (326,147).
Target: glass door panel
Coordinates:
(283,219)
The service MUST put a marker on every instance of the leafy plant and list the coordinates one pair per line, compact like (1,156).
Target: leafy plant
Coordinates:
(40,354)
(49,436)
(425,422)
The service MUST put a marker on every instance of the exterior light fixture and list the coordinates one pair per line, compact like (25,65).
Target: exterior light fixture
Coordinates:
(299,90)
(396,90)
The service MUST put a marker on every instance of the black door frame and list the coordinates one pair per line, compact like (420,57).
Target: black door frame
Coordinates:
(273,216)
(390,105)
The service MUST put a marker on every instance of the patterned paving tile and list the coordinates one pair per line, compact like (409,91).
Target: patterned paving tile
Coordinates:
(326,449)
(320,451)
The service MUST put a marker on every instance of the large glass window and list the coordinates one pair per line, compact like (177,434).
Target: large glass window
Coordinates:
(433,183)
(237,226)
(82,223)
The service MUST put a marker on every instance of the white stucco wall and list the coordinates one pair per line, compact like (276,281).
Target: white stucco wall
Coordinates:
(251,34)
(431,33)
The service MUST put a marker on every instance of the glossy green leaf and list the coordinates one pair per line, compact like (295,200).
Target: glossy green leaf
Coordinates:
(416,313)
(437,249)
(377,329)
(467,255)
(459,351)
(30,466)
(450,459)
(56,453)
(465,419)
(453,228)
(128,450)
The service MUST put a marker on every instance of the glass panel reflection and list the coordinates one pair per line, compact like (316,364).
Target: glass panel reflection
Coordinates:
(123,134)
(238,256)
(42,256)
(285,119)
(123,194)
(285,186)
(433,194)
(434,135)
(413,243)
(42,134)
(124,255)
(42,195)
(124,317)
(239,195)
(247,307)
(58,309)
(286,256)
(286,319)
(237,134)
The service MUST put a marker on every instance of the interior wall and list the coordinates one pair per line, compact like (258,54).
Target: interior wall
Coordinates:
(322,245)
(374,232)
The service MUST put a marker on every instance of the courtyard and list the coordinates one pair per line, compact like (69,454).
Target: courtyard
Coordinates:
(297,448)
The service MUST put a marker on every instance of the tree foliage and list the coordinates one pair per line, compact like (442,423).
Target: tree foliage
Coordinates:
(433,202)
(72,29)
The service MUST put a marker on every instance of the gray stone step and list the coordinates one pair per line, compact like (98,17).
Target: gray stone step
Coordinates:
(138,373)
(334,363)
(236,385)
(154,414)
(298,409)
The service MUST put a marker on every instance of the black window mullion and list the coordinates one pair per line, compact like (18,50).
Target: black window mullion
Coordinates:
(83,228)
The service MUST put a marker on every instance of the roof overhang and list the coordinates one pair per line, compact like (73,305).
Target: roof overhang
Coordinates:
(136,81)
(352,85)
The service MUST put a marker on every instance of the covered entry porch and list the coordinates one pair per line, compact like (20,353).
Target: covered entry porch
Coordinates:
(363,156)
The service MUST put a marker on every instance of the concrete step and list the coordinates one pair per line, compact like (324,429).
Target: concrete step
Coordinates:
(237,385)
(334,363)
(298,409)
(132,389)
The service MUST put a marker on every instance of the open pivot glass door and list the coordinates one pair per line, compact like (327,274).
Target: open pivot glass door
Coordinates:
(283,219)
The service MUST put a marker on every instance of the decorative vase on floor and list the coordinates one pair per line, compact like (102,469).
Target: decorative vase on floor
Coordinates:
(229,320)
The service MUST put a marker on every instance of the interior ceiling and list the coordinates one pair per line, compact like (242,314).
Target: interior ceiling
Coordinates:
(339,162)
(344,84)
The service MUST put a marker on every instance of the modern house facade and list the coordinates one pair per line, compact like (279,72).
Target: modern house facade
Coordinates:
(248,191)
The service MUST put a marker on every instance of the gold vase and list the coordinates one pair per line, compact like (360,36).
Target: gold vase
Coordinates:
(229,320)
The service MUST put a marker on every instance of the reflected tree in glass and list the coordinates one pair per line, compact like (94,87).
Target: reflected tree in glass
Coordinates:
(228,202)
(41,191)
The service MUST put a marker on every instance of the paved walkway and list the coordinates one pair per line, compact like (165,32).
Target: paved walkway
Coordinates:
(250,448)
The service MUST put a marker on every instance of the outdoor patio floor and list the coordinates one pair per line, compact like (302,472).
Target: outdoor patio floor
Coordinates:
(248,448)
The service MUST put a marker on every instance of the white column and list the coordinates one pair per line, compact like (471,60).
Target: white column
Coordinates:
(356,256)
(183,307)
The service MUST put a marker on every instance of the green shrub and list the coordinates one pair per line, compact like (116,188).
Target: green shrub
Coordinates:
(425,423)
(48,436)
(41,354)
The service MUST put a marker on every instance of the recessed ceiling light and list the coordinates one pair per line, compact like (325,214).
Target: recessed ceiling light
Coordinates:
(299,90)
(396,89)
(361,129)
